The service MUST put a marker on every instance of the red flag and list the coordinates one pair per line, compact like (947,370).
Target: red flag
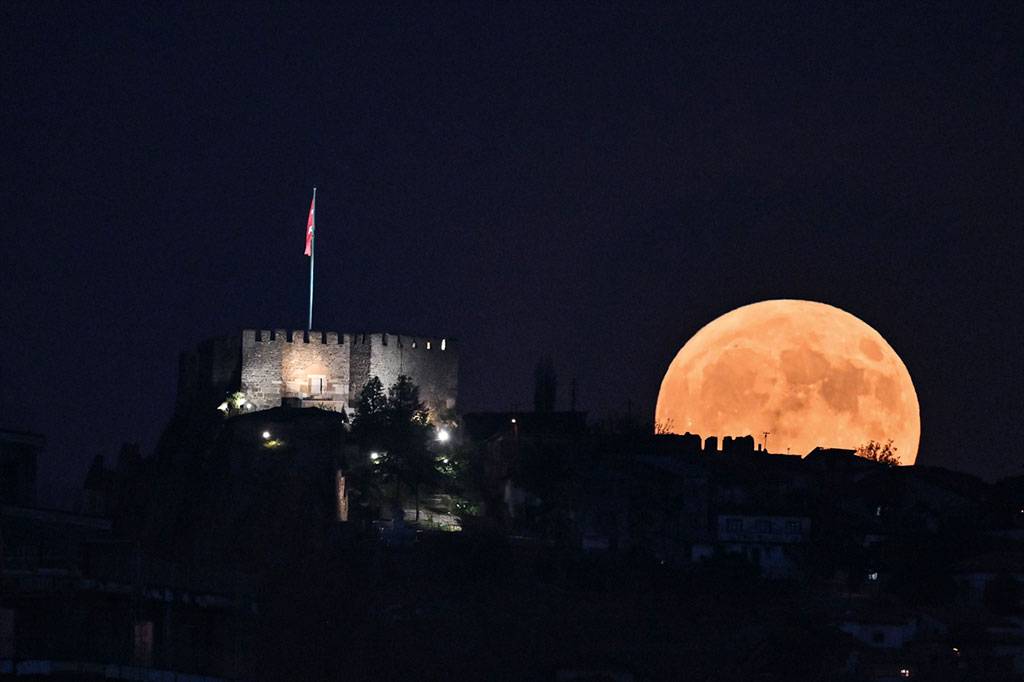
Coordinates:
(310,226)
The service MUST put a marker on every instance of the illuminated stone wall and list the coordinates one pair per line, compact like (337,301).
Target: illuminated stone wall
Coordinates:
(261,366)
(311,367)
(321,355)
(329,370)
(432,364)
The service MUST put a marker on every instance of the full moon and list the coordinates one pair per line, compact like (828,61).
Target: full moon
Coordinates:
(806,372)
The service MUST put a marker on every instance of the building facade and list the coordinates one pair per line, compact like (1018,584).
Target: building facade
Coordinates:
(315,369)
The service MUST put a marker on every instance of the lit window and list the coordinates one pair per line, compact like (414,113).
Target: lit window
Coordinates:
(428,345)
(873,576)
(444,344)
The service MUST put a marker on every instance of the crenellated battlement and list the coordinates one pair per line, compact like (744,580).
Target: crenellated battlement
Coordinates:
(282,336)
(409,342)
(405,341)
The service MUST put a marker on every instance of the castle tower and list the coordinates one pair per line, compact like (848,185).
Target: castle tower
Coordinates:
(315,369)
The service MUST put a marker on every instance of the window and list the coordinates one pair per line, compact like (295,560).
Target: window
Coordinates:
(428,345)
(317,384)
(444,344)
(762,526)
(734,525)
(792,526)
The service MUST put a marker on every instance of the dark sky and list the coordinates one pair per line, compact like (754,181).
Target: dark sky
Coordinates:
(595,182)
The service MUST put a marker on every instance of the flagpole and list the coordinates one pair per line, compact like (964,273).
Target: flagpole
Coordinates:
(312,257)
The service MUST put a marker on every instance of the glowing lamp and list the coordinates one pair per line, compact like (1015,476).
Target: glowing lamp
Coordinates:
(374,456)
(443,436)
(266,435)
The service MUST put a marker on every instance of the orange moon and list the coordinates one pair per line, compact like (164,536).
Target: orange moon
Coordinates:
(808,373)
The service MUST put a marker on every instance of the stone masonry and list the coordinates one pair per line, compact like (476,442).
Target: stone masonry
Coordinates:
(328,369)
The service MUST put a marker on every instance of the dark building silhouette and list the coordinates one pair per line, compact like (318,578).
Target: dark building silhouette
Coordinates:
(19,452)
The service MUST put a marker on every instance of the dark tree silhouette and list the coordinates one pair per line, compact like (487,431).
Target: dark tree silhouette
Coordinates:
(545,386)
(371,414)
(396,428)
(879,452)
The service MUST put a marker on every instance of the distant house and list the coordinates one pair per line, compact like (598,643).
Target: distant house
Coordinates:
(884,627)
(765,540)
(1005,652)
(838,460)
(883,631)
(974,575)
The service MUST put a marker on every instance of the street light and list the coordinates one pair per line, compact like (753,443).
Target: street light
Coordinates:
(443,436)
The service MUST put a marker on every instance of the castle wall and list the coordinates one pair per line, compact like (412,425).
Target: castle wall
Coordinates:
(207,373)
(320,355)
(359,366)
(276,365)
(431,363)
(261,366)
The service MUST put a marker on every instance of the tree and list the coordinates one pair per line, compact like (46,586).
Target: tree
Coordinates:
(878,452)
(234,403)
(371,414)
(410,433)
(396,428)
(545,386)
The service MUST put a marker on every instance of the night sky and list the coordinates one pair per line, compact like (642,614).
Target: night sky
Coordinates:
(593,182)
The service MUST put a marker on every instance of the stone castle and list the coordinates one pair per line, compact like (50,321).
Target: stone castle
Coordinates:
(314,369)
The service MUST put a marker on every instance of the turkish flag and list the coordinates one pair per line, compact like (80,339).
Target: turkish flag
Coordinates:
(310,226)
